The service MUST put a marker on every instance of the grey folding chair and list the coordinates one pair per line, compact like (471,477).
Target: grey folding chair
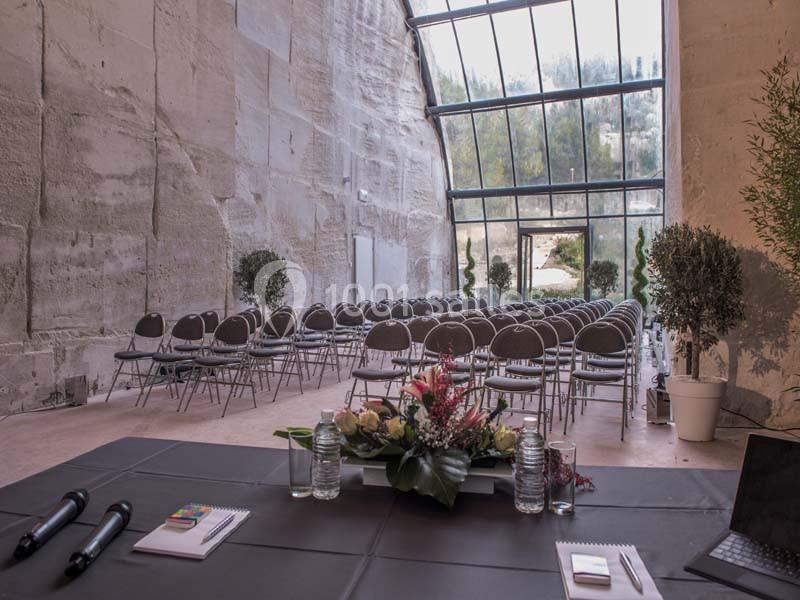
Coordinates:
(454,339)
(321,352)
(389,337)
(277,345)
(151,327)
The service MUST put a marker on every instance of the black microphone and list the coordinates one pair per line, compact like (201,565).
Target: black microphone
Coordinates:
(115,520)
(71,505)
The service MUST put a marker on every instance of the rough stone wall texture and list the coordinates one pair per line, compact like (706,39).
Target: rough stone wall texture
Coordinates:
(145,145)
(723,46)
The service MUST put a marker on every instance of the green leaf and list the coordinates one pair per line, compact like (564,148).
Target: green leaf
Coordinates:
(440,474)
(403,471)
(306,443)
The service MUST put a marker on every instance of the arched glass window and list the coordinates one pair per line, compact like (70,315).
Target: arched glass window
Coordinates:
(551,114)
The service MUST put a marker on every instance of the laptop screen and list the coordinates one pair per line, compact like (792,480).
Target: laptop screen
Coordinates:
(767,507)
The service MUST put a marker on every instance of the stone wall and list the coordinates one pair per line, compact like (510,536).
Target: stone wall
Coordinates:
(145,145)
(723,46)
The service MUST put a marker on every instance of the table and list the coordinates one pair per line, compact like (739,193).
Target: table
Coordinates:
(369,543)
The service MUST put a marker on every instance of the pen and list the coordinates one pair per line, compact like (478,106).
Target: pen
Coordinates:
(218,527)
(626,562)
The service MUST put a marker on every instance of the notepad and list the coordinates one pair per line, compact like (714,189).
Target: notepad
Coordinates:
(621,587)
(188,543)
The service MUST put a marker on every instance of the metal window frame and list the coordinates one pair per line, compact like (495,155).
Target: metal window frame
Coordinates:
(541,98)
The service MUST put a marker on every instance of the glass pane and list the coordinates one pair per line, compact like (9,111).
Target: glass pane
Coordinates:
(456,4)
(515,43)
(554,223)
(468,209)
(555,38)
(527,137)
(603,120)
(645,201)
(569,205)
(503,248)
(608,243)
(441,52)
(428,7)
(651,226)
(478,51)
(640,39)
(531,207)
(503,207)
(554,263)
(596,21)
(606,203)
(461,156)
(565,138)
(492,130)
(476,233)
(643,149)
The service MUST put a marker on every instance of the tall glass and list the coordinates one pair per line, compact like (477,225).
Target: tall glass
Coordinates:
(300,460)
(561,477)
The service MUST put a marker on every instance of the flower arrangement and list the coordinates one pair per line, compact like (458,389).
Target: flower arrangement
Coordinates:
(431,442)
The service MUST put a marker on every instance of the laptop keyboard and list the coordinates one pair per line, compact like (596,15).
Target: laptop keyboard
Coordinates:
(769,560)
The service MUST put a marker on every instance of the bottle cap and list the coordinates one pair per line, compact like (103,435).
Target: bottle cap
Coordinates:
(530,422)
(327,415)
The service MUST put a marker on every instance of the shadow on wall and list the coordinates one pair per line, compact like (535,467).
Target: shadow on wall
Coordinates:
(765,336)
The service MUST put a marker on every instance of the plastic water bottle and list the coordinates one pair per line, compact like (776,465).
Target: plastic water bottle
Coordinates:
(529,468)
(325,470)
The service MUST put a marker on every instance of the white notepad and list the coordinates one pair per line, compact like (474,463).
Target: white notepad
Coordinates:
(188,543)
(621,587)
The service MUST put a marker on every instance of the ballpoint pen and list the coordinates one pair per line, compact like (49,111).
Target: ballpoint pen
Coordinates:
(218,527)
(626,562)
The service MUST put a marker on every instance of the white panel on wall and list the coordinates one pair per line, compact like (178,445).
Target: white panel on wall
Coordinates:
(363,266)
(391,268)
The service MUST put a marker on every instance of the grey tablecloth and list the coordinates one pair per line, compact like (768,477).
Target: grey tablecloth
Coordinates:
(369,543)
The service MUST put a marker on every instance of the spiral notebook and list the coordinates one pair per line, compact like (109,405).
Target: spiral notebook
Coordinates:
(188,543)
(621,587)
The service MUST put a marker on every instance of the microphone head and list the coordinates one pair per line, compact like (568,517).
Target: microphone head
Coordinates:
(25,548)
(77,565)
(80,497)
(124,509)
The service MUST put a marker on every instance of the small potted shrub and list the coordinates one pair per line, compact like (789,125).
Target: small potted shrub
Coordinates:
(261,277)
(603,276)
(696,283)
(500,277)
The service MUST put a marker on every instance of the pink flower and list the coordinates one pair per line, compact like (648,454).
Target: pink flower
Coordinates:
(473,419)
(420,385)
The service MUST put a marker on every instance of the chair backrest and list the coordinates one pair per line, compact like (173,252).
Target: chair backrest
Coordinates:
(548,333)
(577,319)
(501,320)
(624,326)
(456,305)
(600,338)
(251,321)
(450,338)
(256,312)
(152,325)
(388,336)
(422,308)
(320,319)
(548,310)
(520,315)
(421,327)
(402,310)
(471,313)
(377,313)
(563,327)
(586,315)
(189,328)
(451,317)
(280,325)
(439,305)
(517,342)
(557,307)
(482,331)
(211,320)
(350,315)
(233,331)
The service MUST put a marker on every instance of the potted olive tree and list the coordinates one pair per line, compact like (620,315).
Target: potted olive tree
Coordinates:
(696,283)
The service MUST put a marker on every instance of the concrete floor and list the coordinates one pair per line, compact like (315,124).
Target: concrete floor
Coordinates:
(32,442)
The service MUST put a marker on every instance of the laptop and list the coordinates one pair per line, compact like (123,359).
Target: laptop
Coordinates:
(760,554)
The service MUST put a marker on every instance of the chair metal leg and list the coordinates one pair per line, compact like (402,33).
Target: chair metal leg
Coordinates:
(114,379)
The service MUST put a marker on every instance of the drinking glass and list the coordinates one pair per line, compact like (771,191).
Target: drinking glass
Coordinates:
(300,460)
(561,477)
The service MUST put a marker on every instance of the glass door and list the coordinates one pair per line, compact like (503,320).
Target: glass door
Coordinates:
(552,262)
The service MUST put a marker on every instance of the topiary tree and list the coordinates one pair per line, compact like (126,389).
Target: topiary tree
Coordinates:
(603,275)
(469,276)
(696,283)
(261,277)
(774,197)
(500,277)
(640,280)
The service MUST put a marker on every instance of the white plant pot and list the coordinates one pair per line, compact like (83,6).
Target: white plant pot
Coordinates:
(695,405)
